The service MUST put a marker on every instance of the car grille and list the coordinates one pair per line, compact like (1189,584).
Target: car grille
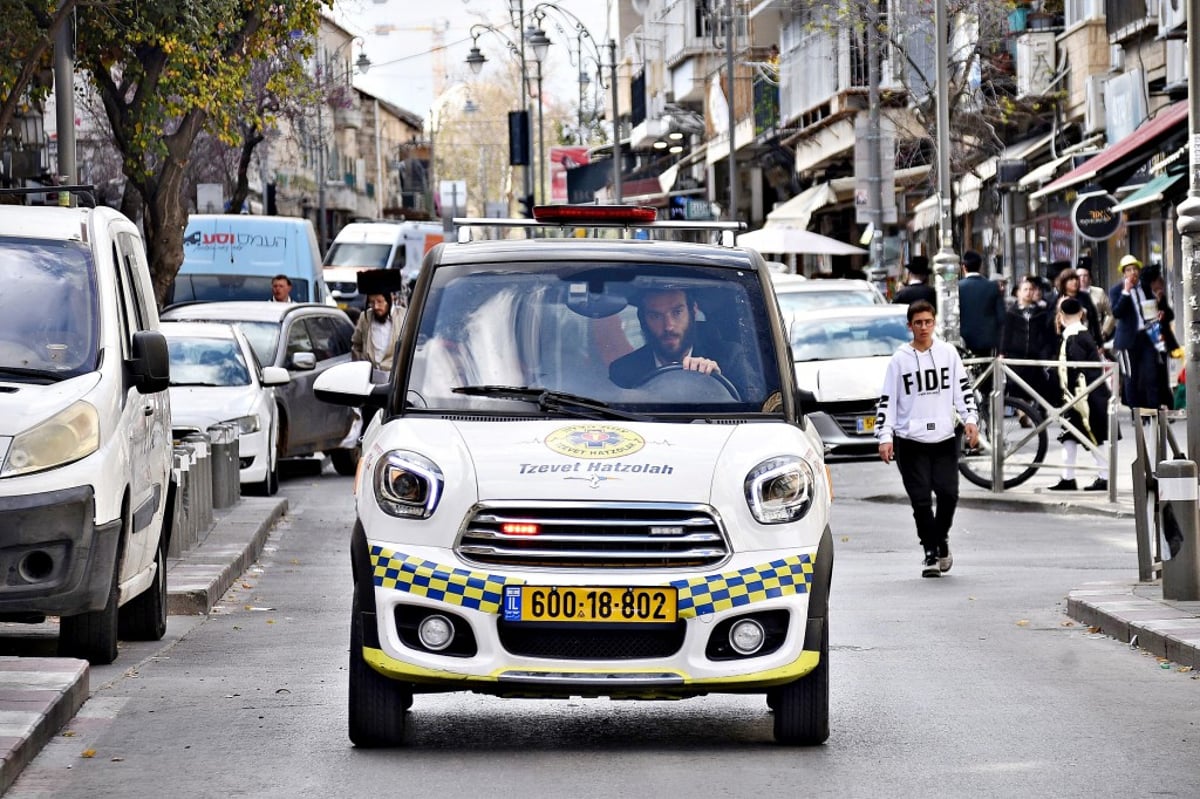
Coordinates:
(588,643)
(847,414)
(595,536)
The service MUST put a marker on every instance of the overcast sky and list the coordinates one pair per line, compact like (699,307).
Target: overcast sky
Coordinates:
(399,35)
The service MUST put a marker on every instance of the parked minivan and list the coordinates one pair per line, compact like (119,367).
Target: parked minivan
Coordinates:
(86,490)
(381,244)
(234,257)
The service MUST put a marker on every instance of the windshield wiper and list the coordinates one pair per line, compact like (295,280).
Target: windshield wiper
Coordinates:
(20,371)
(190,385)
(554,401)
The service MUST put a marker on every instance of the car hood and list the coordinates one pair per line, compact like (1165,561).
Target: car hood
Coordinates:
(842,380)
(23,405)
(562,459)
(202,406)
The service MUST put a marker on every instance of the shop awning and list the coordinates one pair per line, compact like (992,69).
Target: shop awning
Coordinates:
(798,211)
(927,214)
(1040,174)
(1137,146)
(1150,192)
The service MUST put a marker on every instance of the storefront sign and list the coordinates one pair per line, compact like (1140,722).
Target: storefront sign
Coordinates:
(1094,217)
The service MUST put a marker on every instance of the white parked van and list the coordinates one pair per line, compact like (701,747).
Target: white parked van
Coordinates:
(383,244)
(85,430)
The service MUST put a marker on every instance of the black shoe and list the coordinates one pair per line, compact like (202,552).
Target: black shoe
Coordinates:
(930,567)
(1064,485)
(1099,484)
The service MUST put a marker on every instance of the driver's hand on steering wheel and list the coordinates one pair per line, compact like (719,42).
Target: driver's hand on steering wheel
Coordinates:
(704,366)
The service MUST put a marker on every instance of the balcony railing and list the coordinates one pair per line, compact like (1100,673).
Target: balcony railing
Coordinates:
(766,106)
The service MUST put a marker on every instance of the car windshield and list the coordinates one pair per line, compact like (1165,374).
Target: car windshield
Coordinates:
(348,253)
(829,339)
(48,315)
(219,288)
(263,338)
(207,362)
(794,303)
(576,329)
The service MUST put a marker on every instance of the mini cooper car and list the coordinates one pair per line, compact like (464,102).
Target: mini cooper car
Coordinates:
(590,476)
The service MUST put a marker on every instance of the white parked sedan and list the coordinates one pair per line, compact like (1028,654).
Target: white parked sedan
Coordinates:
(215,378)
(841,356)
(799,295)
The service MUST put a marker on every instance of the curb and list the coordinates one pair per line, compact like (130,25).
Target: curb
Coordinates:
(1122,509)
(39,695)
(1162,629)
(199,579)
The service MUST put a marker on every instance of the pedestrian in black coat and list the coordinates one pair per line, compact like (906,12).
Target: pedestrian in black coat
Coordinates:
(1027,329)
(980,308)
(918,287)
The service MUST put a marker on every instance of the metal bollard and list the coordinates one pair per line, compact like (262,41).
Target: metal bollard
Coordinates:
(1179,525)
(225,464)
(201,482)
(181,527)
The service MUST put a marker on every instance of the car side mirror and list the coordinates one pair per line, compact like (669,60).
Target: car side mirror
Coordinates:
(150,365)
(304,361)
(275,376)
(346,384)
(805,400)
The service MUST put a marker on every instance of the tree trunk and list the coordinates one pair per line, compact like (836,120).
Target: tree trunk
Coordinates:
(241,190)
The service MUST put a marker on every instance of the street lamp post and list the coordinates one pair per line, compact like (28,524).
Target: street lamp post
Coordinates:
(946,261)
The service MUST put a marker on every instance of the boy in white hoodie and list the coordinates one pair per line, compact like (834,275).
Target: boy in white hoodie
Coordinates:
(925,387)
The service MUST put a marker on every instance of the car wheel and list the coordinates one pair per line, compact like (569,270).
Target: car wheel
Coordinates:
(345,461)
(802,706)
(144,618)
(377,704)
(92,636)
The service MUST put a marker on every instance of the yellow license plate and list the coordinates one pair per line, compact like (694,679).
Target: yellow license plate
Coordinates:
(866,424)
(589,604)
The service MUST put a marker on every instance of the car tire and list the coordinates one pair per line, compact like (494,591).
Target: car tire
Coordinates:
(377,704)
(345,461)
(144,618)
(802,706)
(92,636)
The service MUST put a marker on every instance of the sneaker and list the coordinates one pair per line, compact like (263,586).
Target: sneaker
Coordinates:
(1099,484)
(930,567)
(944,559)
(1065,485)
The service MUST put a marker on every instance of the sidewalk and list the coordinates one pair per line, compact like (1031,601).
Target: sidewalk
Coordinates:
(39,695)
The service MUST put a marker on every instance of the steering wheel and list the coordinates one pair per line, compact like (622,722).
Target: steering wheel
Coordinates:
(721,379)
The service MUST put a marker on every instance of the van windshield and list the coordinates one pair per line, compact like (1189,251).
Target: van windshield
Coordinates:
(48,313)
(354,253)
(218,288)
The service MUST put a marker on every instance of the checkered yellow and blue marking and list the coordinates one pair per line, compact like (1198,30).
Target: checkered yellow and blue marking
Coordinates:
(698,596)
(469,589)
(712,593)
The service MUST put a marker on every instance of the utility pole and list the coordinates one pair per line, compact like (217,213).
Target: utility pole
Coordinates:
(612,57)
(517,8)
(874,143)
(64,103)
(945,263)
(1188,225)
(733,187)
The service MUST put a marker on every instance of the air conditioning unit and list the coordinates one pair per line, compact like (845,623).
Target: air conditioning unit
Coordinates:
(1116,58)
(1172,14)
(1035,63)
(1093,111)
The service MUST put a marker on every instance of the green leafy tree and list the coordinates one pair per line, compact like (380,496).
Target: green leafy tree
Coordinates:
(168,70)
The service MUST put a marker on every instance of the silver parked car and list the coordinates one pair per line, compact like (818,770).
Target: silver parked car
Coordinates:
(306,339)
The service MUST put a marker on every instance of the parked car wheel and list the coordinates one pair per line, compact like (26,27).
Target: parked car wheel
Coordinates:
(92,636)
(377,704)
(345,461)
(144,618)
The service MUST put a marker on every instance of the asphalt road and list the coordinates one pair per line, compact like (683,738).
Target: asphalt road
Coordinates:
(975,684)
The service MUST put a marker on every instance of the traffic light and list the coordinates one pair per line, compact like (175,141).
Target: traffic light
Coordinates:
(527,206)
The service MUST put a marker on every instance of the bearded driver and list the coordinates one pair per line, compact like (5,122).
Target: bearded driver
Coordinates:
(668,319)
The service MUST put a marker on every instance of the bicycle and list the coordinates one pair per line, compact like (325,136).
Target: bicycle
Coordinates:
(1023,448)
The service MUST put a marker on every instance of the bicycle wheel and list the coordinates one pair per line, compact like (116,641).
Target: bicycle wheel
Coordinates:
(1024,450)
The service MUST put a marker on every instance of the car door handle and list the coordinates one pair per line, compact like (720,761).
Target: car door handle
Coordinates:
(147,410)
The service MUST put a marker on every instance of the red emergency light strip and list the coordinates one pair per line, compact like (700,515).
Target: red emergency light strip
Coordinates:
(520,528)
(583,214)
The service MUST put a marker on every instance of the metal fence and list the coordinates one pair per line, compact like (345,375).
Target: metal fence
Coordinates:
(206,470)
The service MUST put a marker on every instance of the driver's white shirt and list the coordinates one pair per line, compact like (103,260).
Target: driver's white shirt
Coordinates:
(659,362)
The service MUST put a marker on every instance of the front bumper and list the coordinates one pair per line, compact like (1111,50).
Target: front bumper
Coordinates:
(686,658)
(842,436)
(54,559)
(252,451)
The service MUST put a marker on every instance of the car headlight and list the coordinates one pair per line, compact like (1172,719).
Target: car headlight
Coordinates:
(245,424)
(780,490)
(408,485)
(68,436)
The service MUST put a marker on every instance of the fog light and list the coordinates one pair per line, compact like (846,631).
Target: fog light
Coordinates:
(436,633)
(746,637)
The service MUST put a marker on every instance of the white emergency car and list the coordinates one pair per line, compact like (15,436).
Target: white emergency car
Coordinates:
(591,476)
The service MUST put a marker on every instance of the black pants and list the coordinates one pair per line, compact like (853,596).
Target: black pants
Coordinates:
(928,471)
